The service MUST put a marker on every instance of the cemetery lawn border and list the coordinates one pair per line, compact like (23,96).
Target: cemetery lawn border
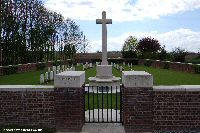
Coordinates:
(161,76)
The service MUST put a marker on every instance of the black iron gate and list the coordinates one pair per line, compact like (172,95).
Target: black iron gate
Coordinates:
(103,104)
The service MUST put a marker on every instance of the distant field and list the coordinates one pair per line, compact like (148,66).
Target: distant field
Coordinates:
(161,76)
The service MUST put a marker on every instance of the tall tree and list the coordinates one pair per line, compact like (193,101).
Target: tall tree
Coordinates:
(129,48)
(149,44)
(32,33)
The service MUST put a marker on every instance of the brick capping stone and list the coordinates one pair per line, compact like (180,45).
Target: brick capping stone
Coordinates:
(177,88)
(26,88)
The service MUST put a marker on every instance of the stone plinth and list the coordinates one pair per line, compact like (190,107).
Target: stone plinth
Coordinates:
(113,81)
(104,77)
(104,71)
(69,79)
(137,79)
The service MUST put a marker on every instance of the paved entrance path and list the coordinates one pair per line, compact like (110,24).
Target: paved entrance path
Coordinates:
(103,128)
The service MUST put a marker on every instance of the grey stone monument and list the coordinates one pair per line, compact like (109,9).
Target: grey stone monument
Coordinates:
(104,75)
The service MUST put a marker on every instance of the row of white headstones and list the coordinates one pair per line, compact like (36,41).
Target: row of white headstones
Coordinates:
(49,75)
(121,68)
(86,65)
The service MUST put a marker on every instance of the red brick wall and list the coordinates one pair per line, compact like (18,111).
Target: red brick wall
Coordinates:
(97,55)
(137,109)
(57,108)
(27,67)
(32,107)
(141,61)
(69,108)
(161,109)
(157,64)
(182,67)
(176,111)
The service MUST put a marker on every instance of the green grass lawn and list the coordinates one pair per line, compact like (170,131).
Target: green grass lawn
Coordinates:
(161,76)
(97,102)
(27,78)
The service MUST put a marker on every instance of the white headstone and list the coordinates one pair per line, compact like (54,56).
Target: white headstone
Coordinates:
(117,66)
(51,75)
(90,65)
(104,21)
(121,68)
(83,67)
(47,76)
(49,69)
(124,63)
(63,67)
(41,78)
(131,65)
(128,65)
(54,68)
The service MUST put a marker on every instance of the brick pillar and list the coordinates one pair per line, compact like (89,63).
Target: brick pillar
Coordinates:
(69,101)
(137,100)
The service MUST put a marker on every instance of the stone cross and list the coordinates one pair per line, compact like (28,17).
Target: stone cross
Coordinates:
(104,21)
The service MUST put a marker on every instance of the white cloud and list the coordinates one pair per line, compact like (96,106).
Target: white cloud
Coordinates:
(184,38)
(120,10)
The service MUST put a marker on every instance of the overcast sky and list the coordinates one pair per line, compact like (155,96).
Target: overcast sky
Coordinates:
(175,23)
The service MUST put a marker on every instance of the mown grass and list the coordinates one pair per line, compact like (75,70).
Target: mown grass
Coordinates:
(27,78)
(102,100)
(161,76)
(170,77)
